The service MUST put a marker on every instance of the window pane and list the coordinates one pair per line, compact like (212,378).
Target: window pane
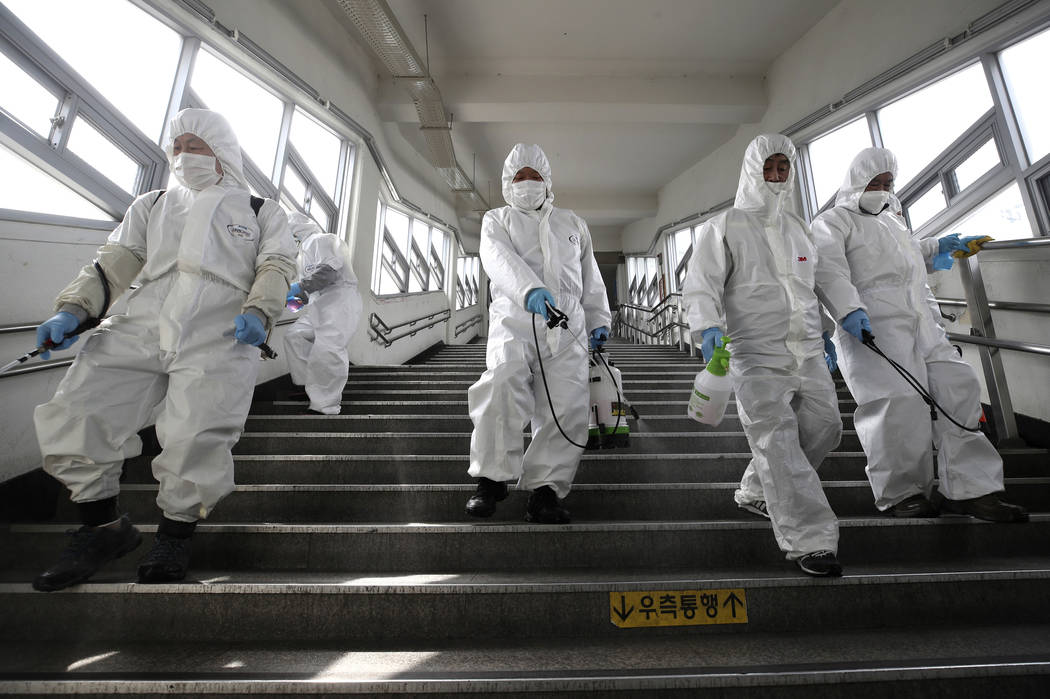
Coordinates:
(1002,217)
(25,187)
(421,235)
(123,52)
(397,225)
(25,99)
(320,215)
(921,125)
(254,113)
(387,285)
(1023,66)
(295,185)
(100,153)
(926,207)
(437,259)
(319,147)
(971,169)
(831,154)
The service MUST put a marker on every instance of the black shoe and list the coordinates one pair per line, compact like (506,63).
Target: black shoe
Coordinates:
(755,507)
(988,507)
(543,507)
(821,564)
(167,561)
(915,506)
(489,492)
(89,550)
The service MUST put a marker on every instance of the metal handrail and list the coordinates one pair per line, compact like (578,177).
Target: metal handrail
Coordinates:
(465,325)
(7,329)
(1002,305)
(1031,347)
(38,366)
(380,328)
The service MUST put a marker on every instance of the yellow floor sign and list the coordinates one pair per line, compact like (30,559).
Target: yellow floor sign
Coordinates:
(677,607)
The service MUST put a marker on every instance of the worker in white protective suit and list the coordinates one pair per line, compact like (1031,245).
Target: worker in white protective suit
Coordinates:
(535,255)
(317,345)
(872,276)
(751,277)
(213,264)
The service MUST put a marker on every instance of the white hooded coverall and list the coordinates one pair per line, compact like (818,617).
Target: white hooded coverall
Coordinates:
(751,274)
(510,392)
(872,262)
(201,258)
(317,345)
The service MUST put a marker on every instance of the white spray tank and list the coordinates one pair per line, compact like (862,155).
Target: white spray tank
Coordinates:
(608,421)
(712,389)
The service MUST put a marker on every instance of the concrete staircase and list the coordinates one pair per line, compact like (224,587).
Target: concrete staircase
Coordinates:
(343,564)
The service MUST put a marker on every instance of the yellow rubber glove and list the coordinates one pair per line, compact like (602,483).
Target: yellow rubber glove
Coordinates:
(973,245)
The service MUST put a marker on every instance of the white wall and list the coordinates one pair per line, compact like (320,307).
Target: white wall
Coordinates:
(39,260)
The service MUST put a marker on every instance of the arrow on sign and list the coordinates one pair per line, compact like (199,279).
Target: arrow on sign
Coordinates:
(623,612)
(734,601)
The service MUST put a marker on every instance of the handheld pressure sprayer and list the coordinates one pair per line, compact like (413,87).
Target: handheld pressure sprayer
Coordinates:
(868,339)
(599,435)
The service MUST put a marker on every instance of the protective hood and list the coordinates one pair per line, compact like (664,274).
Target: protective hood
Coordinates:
(526,155)
(868,163)
(302,226)
(752,192)
(213,128)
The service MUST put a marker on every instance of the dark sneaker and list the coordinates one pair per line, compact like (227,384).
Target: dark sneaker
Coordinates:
(988,507)
(821,564)
(489,492)
(89,549)
(544,508)
(755,507)
(167,561)
(915,506)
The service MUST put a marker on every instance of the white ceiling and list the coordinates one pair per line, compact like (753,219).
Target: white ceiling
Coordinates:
(623,95)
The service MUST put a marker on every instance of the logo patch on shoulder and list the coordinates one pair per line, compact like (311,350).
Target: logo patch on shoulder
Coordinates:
(574,239)
(242,232)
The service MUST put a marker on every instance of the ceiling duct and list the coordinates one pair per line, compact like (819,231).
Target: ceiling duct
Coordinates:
(376,23)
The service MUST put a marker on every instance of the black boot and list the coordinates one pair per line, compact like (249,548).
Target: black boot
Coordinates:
(169,559)
(489,492)
(543,507)
(89,550)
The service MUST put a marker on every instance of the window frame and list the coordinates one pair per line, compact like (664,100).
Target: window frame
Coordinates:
(406,260)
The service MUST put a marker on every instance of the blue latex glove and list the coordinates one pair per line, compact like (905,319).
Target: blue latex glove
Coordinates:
(831,357)
(598,337)
(707,347)
(295,290)
(950,243)
(856,322)
(55,329)
(249,330)
(537,300)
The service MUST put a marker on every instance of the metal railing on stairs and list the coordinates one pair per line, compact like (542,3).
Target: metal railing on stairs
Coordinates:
(380,331)
(467,325)
(662,324)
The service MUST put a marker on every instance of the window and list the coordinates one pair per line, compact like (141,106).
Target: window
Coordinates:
(124,53)
(25,187)
(830,156)
(412,254)
(319,149)
(926,206)
(918,127)
(254,113)
(100,153)
(1026,83)
(25,99)
(466,281)
(1003,217)
(983,161)
(679,250)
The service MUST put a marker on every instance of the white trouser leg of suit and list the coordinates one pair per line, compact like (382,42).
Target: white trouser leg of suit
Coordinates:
(508,394)
(894,427)
(204,391)
(317,346)
(791,422)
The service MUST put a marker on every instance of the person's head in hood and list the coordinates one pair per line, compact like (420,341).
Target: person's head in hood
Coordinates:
(767,174)
(527,178)
(302,226)
(868,187)
(203,150)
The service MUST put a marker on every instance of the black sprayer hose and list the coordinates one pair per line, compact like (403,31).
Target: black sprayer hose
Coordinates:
(546,389)
(869,342)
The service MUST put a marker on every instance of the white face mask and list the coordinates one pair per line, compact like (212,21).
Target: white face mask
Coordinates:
(528,194)
(195,171)
(874,202)
(777,188)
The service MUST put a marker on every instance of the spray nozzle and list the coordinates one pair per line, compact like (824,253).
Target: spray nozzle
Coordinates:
(867,337)
(719,362)
(556,317)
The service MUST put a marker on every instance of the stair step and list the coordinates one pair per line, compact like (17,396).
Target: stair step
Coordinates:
(303,606)
(465,547)
(445,502)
